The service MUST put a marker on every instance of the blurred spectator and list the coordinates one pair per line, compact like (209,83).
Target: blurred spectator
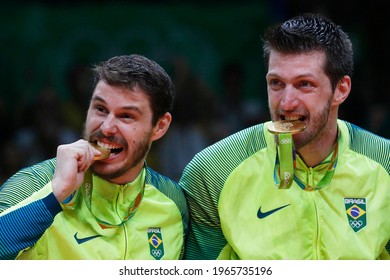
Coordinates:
(228,114)
(189,129)
(233,111)
(74,109)
(11,158)
(43,121)
(44,129)
(379,119)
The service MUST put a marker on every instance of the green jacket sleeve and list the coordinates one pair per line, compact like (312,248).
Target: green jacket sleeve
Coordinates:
(23,227)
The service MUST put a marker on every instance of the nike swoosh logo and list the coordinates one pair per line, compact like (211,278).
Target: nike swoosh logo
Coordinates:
(83,240)
(262,215)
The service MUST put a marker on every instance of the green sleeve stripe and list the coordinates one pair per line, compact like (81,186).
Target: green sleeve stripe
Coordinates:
(172,190)
(220,159)
(25,182)
(204,177)
(370,145)
(22,228)
(388,247)
(362,141)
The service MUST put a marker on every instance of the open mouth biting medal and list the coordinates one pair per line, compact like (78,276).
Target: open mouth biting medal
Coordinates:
(285,151)
(105,152)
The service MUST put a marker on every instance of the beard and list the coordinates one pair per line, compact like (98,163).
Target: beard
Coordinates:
(136,153)
(316,131)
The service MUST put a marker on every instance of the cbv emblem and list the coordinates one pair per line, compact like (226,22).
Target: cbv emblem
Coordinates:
(356,213)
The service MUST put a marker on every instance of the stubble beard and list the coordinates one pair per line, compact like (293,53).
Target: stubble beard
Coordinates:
(314,135)
(139,152)
(138,156)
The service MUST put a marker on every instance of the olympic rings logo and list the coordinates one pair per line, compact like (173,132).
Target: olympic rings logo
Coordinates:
(356,224)
(156,252)
(285,141)
(287,175)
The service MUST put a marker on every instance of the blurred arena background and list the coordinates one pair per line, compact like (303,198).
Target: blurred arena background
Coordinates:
(211,49)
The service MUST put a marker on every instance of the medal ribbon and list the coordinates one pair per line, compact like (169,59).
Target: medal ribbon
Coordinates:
(285,160)
(87,187)
(285,164)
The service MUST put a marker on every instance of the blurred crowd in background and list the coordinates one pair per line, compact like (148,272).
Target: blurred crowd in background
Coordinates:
(215,63)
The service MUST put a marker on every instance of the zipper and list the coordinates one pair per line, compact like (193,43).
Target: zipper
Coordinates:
(119,192)
(310,176)
(310,181)
(316,227)
(125,239)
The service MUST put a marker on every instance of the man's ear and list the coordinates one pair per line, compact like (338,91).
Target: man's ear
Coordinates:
(162,126)
(342,90)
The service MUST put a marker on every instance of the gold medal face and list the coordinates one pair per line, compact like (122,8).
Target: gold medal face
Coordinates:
(292,127)
(105,152)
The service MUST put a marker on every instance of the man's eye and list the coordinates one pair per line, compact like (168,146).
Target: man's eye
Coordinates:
(101,109)
(305,84)
(275,84)
(127,116)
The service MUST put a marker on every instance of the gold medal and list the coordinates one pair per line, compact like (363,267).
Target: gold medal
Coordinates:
(105,152)
(285,153)
(292,127)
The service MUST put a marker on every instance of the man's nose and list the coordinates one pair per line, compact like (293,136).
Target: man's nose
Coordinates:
(108,126)
(290,100)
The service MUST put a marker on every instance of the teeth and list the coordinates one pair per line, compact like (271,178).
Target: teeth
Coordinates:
(108,146)
(291,118)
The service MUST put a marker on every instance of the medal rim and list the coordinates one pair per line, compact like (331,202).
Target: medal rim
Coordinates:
(299,126)
(105,152)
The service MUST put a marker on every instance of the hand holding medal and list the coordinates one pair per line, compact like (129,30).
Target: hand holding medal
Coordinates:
(105,152)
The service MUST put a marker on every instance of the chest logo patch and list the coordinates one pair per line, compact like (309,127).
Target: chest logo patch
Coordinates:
(156,243)
(262,215)
(356,213)
(86,239)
